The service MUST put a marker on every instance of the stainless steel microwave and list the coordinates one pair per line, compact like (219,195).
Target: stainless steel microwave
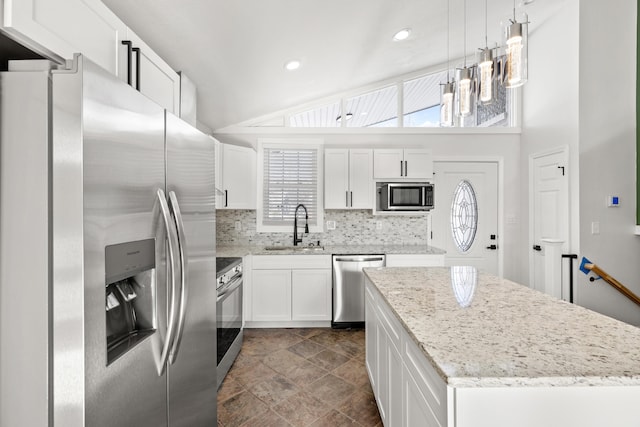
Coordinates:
(404,196)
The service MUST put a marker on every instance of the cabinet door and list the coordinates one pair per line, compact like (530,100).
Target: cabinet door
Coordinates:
(58,29)
(416,410)
(419,164)
(158,81)
(218,177)
(271,295)
(394,371)
(388,163)
(371,339)
(361,178)
(238,177)
(311,294)
(336,178)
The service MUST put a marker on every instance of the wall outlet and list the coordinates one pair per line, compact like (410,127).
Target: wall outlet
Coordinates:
(331,225)
(378,225)
(595,227)
(238,226)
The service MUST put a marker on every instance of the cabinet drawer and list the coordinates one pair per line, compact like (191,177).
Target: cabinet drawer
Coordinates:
(274,262)
(427,379)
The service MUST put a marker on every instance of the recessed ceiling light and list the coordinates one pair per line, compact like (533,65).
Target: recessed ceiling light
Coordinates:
(402,34)
(292,65)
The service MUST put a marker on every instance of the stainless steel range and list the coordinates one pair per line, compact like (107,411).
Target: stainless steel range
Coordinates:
(228,313)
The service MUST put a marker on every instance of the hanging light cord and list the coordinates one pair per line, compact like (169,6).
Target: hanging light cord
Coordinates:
(486,17)
(448,3)
(464,41)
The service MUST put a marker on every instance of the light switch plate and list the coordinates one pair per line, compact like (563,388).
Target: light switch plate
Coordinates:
(331,225)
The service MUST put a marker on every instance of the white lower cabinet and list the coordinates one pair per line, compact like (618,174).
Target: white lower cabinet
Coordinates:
(383,361)
(290,290)
(271,295)
(309,297)
(408,391)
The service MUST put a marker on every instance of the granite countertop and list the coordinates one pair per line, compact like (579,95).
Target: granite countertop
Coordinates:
(239,251)
(509,334)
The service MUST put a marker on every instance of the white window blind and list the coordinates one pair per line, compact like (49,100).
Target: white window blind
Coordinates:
(290,178)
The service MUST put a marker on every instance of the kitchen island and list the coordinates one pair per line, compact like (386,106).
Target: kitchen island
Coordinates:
(455,347)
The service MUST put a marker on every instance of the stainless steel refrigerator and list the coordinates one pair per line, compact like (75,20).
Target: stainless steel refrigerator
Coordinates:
(107,255)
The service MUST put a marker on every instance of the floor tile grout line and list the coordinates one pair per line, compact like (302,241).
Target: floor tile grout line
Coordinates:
(327,368)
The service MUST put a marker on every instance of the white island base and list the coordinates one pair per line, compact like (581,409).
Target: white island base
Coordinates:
(412,389)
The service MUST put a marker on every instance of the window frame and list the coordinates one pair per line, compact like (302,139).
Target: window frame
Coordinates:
(287,143)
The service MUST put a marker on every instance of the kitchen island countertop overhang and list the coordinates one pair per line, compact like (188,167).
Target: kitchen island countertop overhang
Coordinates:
(509,335)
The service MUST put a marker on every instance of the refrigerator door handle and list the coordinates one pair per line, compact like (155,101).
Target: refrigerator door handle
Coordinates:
(171,278)
(175,207)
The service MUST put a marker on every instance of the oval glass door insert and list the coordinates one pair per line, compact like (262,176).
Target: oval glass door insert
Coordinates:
(464,216)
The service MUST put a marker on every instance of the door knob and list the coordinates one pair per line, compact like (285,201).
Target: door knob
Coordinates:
(492,247)
(537,247)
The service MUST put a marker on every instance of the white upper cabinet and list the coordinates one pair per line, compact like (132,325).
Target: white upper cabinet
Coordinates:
(58,29)
(143,69)
(348,178)
(237,170)
(403,164)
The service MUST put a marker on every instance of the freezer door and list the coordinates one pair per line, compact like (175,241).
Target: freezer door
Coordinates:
(191,188)
(108,162)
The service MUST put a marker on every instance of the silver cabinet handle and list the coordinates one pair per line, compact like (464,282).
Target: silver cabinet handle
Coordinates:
(401,168)
(175,207)
(171,278)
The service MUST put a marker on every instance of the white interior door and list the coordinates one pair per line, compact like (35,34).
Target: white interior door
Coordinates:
(549,211)
(465,218)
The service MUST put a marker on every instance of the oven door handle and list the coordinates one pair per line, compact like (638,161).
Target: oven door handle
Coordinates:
(229,288)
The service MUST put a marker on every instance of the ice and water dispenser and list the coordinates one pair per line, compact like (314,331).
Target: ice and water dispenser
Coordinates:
(129,295)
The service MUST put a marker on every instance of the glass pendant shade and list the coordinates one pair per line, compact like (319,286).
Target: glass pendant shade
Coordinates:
(464,94)
(515,42)
(485,76)
(446,105)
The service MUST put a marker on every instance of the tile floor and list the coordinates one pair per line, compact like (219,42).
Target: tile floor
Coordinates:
(298,377)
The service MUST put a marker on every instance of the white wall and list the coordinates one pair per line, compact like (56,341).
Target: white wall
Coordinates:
(485,146)
(607,153)
(550,109)
(576,57)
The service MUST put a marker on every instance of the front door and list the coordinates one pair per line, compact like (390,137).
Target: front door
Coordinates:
(465,217)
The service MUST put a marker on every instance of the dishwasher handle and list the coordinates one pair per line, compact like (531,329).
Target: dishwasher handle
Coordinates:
(359,259)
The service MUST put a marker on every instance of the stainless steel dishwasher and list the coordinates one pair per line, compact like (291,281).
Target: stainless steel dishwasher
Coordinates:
(348,288)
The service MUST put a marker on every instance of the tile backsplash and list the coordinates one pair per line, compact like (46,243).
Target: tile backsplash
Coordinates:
(353,227)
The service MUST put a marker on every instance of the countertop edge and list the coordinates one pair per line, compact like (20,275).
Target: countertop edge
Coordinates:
(541,381)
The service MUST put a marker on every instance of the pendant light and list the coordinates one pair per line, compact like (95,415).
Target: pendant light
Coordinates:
(446,99)
(485,68)
(465,101)
(515,41)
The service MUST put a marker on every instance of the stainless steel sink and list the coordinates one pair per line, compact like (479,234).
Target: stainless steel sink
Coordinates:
(294,248)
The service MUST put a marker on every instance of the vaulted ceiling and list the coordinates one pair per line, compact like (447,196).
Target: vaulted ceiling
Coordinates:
(235,51)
